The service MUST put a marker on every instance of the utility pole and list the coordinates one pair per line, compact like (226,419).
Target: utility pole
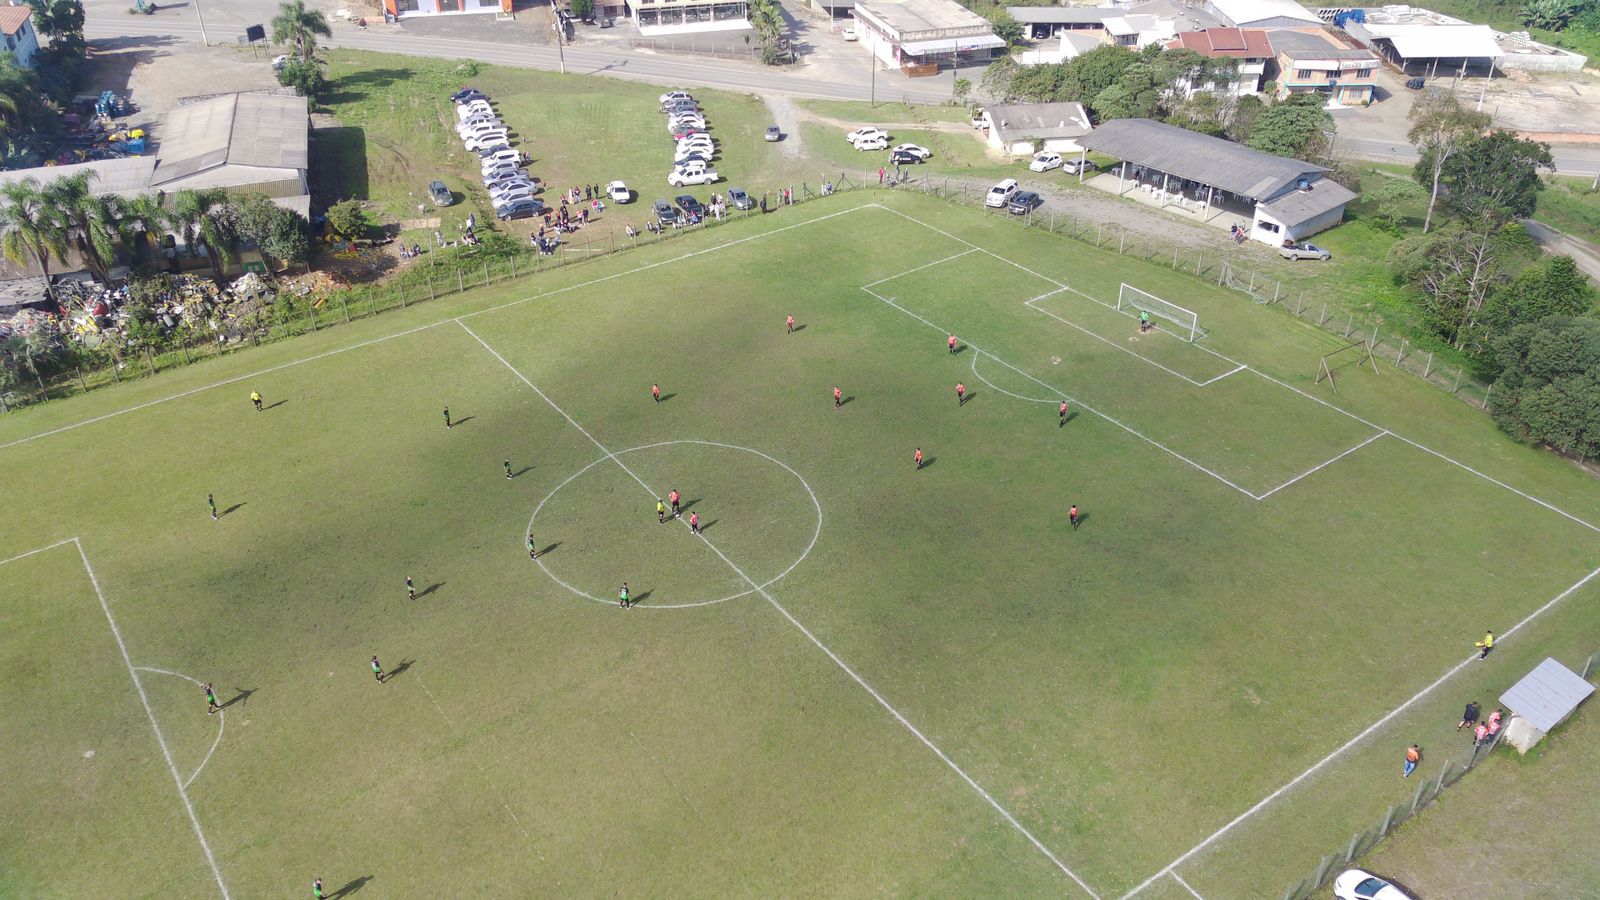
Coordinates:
(560,27)
(203,39)
(873,57)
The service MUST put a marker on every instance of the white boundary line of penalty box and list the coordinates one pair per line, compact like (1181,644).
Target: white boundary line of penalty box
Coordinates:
(144,700)
(1172,867)
(766,595)
(747,238)
(1107,341)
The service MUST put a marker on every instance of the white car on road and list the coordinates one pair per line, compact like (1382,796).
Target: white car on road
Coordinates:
(919,152)
(693,172)
(1044,162)
(866,133)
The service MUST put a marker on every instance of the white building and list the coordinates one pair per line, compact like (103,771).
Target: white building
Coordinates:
(401,9)
(925,33)
(1023,129)
(1141,30)
(1247,47)
(1070,45)
(16,23)
(1263,14)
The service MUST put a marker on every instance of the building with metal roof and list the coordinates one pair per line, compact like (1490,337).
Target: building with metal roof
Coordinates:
(255,140)
(1068,45)
(925,33)
(1543,699)
(1049,21)
(1248,47)
(1021,129)
(1263,14)
(1285,199)
(1311,63)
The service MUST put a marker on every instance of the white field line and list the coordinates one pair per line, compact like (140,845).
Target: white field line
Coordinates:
(1367,732)
(161,739)
(222,720)
(924,266)
(898,716)
(1068,397)
(409,331)
(996,387)
(1217,378)
(1110,343)
(1192,891)
(1322,465)
(452,725)
(38,550)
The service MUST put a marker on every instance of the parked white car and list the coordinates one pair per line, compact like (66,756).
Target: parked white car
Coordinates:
(1000,194)
(687,149)
(1079,166)
(849,33)
(511,194)
(670,96)
(678,124)
(476,107)
(619,193)
(1354,884)
(692,173)
(1044,162)
(872,143)
(501,157)
(869,132)
(487,123)
(919,152)
(487,139)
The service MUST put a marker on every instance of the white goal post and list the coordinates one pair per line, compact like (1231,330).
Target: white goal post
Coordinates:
(1131,301)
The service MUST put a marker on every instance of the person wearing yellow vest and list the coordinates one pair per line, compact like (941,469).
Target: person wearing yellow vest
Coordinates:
(1486,644)
(255,400)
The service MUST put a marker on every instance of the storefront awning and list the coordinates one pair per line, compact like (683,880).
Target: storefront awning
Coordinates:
(953,45)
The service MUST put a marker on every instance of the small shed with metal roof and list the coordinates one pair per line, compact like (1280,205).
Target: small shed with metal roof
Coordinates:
(1543,699)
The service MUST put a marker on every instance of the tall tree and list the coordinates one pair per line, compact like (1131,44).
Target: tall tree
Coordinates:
(1549,385)
(59,19)
(191,212)
(1454,271)
(91,221)
(1553,286)
(1297,127)
(1087,75)
(141,223)
(300,27)
(1497,175)
(1440,127)
(31,233)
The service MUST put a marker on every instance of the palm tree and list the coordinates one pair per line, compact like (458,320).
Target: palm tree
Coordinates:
(142,220)
(191,214)
(90,221)
(29,232)
(294,24)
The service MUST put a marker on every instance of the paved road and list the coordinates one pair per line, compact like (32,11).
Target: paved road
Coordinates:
(1569,161)
(224,25)
(1586,255)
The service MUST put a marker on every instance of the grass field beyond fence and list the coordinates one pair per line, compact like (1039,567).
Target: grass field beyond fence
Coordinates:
(863,677)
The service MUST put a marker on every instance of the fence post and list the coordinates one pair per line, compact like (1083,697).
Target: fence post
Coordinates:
(1355,842)
(1277,286)
(1349,324)
(1252,283)
(486,272)
(1222,272)
(1097,234)
(1401,356)
(430,285)
(1416,799)
(150,360)
(1429,367)
(81,382)
(1457,388)
(117,376)
(461,281)
(513,265)
(1174,258)
(1322,870)
(402,295)
(1588,667)
(1199,258)
(345,307)
(1122,239)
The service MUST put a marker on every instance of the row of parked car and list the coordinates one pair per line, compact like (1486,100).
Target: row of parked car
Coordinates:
(694,147)
(871,137)
(511,189)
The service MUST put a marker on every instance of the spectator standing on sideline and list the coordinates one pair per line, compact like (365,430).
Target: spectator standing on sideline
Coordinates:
(880,174)
(1469,716)
(1413,756)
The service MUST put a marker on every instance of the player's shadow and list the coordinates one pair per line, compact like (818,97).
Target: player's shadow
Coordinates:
(273,405)
(521,471)
(241,698)
(640,597)
(929,460)
(429,589)
(550,549)
(688,503)
(706,526)
(395,672)
(350,888)
(970,395)
(1072,415)
(800,327)
(1082,518)
(849,399)
(960,349)
(666,397)
(231,509)
(455,422)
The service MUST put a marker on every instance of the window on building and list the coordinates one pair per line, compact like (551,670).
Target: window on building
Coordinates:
(406,6)
(1302,74)
(1268,226)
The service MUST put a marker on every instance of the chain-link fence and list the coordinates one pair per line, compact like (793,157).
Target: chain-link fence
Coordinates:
(1367,839)
(440,272)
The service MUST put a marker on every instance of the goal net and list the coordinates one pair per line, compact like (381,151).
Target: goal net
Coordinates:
(1180,322)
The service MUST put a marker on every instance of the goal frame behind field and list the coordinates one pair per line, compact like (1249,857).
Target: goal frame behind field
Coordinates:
(1186,324)
(1342,357)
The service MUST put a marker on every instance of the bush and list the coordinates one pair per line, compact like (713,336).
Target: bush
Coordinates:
(305,76)
(349,219)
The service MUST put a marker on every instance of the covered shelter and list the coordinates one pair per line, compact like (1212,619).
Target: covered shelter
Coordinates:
(1048,21)
(258,142)
(1205,177)
(1263,14)
(1424,48)
(925,34)
(1543,699)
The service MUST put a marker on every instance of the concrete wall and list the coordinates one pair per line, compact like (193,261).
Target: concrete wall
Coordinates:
(1541,62)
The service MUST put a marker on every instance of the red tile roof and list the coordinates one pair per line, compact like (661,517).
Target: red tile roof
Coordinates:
(1239,43)
(12,18)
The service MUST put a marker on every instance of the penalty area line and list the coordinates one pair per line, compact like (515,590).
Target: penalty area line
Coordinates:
(1171,868)
(843,666)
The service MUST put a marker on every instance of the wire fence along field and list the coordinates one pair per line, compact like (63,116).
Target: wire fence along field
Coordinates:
(1367,839)
(1263,289)
(440,273)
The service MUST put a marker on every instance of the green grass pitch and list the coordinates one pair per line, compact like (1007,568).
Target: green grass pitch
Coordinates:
(865,679)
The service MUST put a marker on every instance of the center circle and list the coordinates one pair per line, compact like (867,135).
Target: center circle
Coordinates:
(600,524)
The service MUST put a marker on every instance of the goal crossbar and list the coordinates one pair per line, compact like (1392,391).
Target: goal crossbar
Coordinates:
(1132,301)
(1355,353)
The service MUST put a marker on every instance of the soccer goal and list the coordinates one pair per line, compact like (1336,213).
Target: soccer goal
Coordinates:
(1355,353)
(1132,301)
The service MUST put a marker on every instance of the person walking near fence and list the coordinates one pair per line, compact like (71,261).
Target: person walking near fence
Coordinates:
(1413,756)
(880,174)
(1469,716)
(1486,644)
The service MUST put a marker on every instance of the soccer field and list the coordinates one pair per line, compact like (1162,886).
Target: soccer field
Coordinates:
(861,678)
